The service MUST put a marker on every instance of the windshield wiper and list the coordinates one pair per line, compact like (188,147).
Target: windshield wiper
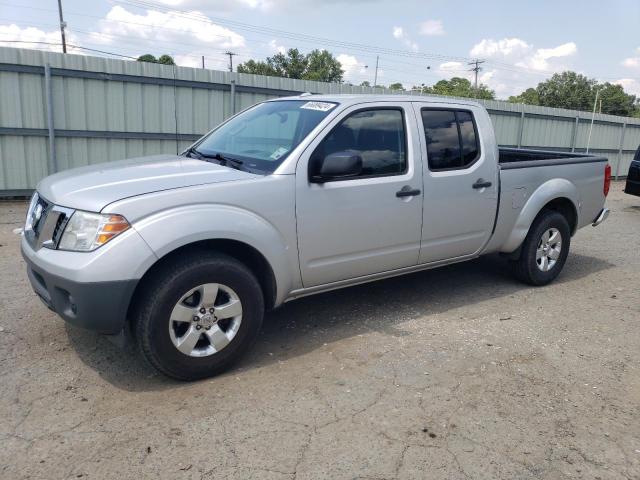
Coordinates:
(224,160)
(193,151)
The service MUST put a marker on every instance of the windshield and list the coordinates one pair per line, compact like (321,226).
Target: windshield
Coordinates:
(264,136)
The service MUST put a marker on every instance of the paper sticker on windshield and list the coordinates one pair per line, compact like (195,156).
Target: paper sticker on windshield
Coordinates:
(279,152)
(320,106)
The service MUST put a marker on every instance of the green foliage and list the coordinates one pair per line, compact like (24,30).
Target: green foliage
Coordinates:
(323,66)
(147,58)
(567,90)
(365,84)
(460,87)
(166,60)
(529,96)
(163,59)
(317,65)
(616,102)
(577,92)
(396,86)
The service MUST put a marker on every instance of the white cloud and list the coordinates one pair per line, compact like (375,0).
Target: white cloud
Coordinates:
(167,27)
(521,61)
(354,69)
(632,62)
(522,54)
(219,5)
(29,37)
(400,34)
(277,48)
(630,85)
(432,28)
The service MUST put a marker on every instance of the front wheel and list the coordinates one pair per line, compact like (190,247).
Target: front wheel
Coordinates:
(544,250)
(199,315)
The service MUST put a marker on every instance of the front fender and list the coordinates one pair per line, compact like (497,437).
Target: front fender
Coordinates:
(545,193)
(169,230)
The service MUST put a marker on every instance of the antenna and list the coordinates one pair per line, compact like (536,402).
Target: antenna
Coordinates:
(231,54)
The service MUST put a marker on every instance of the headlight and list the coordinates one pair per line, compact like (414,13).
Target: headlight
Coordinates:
(87,231)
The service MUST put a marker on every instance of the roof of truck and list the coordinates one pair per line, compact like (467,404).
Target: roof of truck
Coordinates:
(350,99)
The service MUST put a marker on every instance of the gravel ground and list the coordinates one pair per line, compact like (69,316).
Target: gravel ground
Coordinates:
(455,373)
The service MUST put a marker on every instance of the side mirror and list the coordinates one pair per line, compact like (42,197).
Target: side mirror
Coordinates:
(336,166)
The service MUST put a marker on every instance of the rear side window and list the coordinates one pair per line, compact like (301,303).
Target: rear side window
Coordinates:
(377,135)
(451,137)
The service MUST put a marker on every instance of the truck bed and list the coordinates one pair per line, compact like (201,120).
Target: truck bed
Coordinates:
(510,158)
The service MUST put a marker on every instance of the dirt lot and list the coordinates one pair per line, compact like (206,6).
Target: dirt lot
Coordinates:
(455,373)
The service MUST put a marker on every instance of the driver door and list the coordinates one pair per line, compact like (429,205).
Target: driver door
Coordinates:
(369,223)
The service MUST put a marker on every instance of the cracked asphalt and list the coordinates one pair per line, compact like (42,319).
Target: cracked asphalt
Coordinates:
(454,373)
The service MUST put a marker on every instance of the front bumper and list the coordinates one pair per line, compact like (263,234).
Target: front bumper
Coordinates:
(98,306)
(92,290)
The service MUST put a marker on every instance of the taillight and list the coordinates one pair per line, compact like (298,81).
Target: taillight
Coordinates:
(607,179)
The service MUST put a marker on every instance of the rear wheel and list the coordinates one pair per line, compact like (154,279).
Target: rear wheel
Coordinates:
(199,315)
(544,250)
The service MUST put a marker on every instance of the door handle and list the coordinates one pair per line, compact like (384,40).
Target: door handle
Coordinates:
(481,183)
(407,191)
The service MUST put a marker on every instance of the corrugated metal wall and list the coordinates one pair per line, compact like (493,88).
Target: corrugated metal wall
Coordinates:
(105,109)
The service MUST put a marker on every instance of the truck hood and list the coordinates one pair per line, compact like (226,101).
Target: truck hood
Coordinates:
(93,187)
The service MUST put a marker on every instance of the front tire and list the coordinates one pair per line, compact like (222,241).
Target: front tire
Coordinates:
(198,315)
(544,250)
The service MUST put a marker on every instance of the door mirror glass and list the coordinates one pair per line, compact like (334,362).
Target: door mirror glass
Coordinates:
(338,165)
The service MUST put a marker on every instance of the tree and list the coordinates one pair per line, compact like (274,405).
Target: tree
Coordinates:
(396,86)
(567,90)
(166,60)
(163,59)
(616,102)
(460,87)
(316,65)
(365,84)
(147,58)
(257,68)
(577,92)
(529,96)
(323,66)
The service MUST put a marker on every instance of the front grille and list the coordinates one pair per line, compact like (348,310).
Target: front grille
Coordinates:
(38,223)
(45,223)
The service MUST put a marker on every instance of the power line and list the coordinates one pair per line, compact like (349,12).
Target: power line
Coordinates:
(293,36)
(54,44)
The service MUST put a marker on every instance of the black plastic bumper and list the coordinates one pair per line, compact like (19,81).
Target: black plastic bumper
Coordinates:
(632,188)
(99,306)
(633,179)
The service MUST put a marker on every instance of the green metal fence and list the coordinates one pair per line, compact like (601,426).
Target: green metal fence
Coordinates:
(62,111)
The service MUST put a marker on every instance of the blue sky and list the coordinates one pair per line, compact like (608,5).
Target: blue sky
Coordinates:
(522,42)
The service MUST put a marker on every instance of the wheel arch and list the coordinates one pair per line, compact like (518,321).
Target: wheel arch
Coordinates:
(243,252)
(557,194)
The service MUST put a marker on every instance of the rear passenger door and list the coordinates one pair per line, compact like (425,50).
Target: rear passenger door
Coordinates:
(460,181)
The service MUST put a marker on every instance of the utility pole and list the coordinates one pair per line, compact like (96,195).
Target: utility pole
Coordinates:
(62,27)
(375,78)
(231,54)
(203,62)
(476,68)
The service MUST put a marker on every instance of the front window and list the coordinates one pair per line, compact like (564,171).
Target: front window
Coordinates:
(264,136)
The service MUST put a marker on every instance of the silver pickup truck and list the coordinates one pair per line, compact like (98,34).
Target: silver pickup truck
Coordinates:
(293,197)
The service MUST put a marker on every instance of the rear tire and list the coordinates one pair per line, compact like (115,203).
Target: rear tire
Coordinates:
(544,250)
(195,286)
